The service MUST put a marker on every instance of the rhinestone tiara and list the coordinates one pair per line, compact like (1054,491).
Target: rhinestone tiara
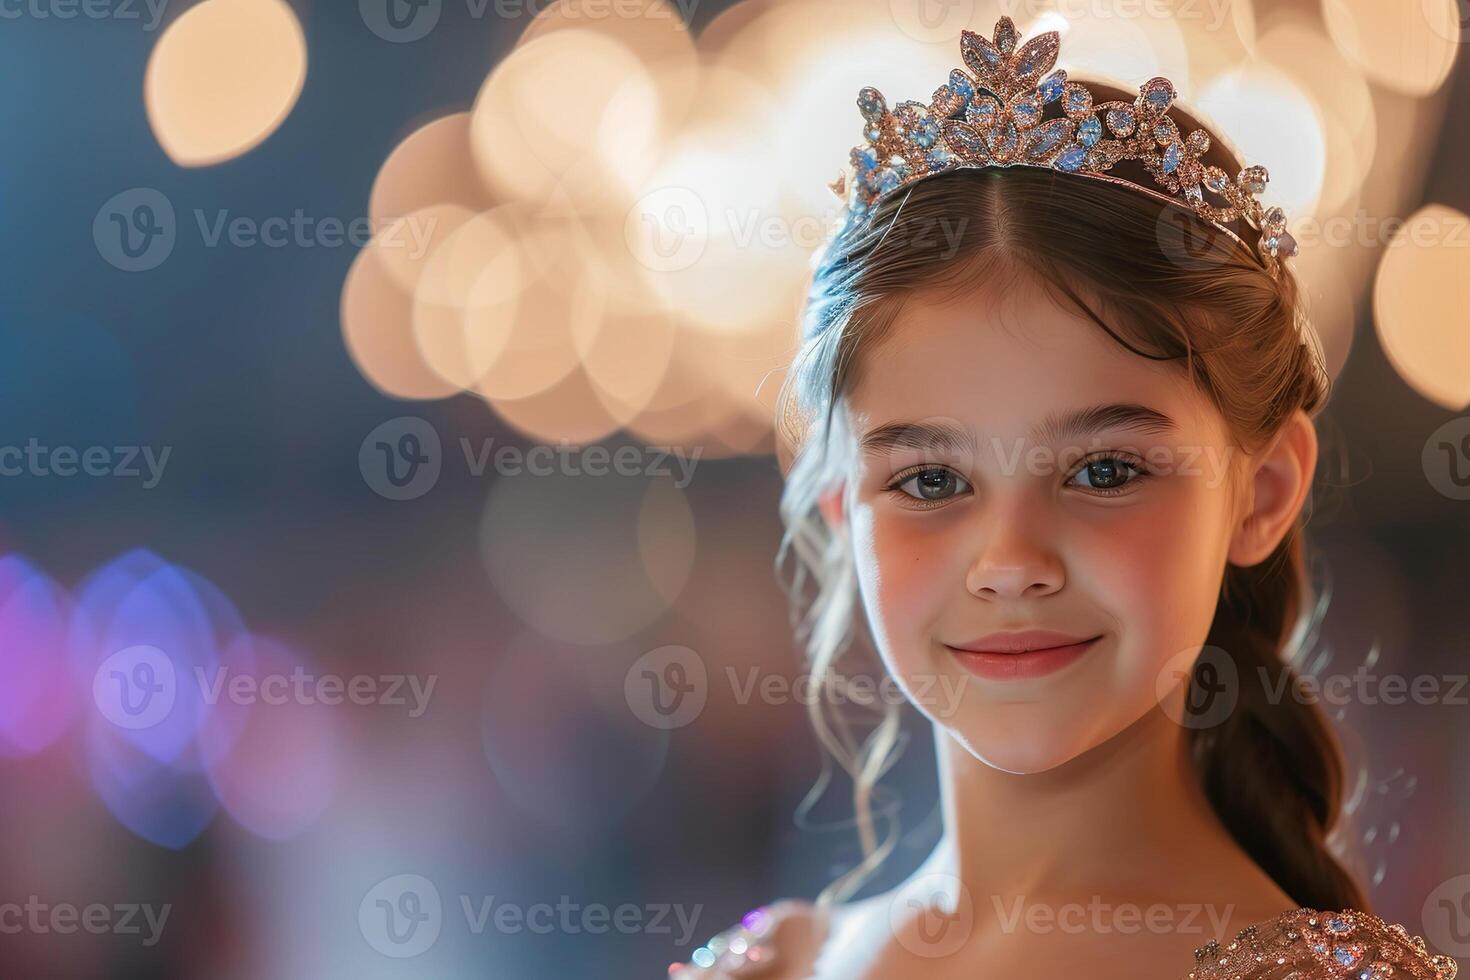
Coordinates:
(992,116)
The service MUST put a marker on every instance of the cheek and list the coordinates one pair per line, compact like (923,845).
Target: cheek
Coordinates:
(904,569)
(1157,570)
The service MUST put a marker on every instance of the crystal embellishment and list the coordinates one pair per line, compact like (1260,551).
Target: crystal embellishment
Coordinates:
(1303,943)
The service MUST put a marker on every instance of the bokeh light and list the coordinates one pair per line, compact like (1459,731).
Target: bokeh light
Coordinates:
(431,166)
(1291,131)
(1420,296)
(223,77)
(276,757)
(37,699)
(1409,48)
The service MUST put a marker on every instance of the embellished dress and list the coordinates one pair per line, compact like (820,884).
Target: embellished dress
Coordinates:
(1298,944)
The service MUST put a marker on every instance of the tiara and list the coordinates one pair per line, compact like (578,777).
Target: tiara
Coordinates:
(993,117)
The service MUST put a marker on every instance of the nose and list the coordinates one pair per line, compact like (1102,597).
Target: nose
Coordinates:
(1012,562)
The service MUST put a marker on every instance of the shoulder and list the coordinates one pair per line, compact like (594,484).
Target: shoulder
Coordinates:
(1321,945)
(780,941)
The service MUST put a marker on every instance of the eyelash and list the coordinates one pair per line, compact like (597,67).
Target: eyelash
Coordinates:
(1133,463)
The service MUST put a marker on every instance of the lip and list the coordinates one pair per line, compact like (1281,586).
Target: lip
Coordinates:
(1011,656)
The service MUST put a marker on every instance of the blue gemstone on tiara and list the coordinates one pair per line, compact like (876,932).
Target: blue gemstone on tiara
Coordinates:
(982,111)
(1171,158)
(1072,158)
(1158,94)
(1003,140)
(1051,86)
(1078,100)
(959,84)
(925,133)
(1089,131)
(939,157)
(1026,113)
(863,159)
(1121,121)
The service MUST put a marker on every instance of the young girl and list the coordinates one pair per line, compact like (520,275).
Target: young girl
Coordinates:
(1052,427)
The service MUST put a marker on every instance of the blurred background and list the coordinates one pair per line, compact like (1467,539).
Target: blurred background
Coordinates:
(385,415)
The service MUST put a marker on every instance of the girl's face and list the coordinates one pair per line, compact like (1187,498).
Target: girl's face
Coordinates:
(1082,489)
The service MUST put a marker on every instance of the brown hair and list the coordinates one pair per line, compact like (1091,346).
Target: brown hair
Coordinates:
(1167,286)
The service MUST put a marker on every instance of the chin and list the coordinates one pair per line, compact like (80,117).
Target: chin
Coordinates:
(1017,751)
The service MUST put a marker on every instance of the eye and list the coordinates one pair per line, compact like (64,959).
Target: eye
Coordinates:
(929,485)
(1111,474)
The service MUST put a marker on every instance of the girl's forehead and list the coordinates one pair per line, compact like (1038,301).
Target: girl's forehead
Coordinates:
(1012,363)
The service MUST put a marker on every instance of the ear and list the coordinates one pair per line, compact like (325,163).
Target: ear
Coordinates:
(1278,481)
(832,504)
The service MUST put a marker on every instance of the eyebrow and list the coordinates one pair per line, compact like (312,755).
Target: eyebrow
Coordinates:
(949,437)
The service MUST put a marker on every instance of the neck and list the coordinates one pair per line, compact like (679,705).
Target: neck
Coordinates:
(1126,818)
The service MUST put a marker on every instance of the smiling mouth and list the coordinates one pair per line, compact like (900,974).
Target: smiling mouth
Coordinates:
(1024,659)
